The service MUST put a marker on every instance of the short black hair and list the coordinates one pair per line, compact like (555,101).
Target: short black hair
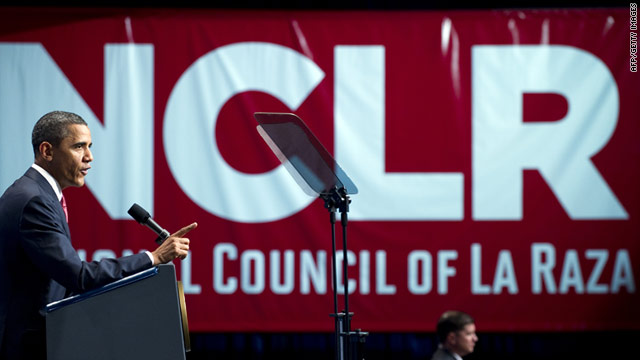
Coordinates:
(53,128)
(452,321)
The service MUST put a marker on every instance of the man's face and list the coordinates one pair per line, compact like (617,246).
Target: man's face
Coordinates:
(70,161)
(464,341)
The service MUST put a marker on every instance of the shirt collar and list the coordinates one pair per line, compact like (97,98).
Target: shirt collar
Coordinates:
(54,184)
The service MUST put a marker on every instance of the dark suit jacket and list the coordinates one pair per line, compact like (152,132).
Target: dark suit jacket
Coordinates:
(442,354)
(39,265)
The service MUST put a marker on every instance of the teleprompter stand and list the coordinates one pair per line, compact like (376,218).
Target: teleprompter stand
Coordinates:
(319,175)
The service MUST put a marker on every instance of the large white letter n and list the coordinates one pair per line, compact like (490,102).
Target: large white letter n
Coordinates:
(32,84)
(503,145)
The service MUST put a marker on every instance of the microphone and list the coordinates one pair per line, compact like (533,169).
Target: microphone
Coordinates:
(142,216)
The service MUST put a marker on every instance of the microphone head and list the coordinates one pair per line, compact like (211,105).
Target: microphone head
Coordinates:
(138,213)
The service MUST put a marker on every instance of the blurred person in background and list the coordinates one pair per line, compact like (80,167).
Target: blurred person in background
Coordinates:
(457,337)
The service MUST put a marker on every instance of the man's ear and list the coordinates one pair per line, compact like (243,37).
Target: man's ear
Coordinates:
(451,338)
(46,150)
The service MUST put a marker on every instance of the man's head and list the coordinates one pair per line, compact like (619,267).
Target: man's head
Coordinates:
(457,332)
(61,142)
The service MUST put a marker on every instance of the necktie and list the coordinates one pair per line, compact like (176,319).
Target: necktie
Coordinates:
(63,202)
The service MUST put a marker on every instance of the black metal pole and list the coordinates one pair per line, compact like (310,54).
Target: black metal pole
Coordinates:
(338,199)
(347,326)
(332,216)
(343,206)
(332,219)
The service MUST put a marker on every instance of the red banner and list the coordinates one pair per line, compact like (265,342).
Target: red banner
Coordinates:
(495,152)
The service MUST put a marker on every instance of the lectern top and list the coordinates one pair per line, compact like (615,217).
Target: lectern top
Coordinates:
(91,293)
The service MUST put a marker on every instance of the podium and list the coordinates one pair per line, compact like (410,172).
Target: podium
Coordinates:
(142,316)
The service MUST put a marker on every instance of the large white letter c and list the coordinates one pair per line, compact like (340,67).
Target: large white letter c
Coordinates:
(189,129)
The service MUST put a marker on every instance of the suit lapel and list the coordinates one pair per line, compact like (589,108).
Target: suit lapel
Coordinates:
(34,175)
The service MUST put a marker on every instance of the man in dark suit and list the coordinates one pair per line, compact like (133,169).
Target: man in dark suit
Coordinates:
(457,336)
(38,264)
